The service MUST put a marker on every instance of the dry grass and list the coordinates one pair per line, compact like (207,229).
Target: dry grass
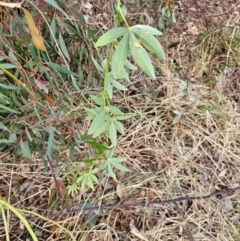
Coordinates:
(197,156)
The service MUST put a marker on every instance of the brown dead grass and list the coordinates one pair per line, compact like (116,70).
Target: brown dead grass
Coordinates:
(196,156)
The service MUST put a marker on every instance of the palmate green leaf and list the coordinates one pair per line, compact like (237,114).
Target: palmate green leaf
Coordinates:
(113,134)
(121,53)
(97,122)
(111,173)
(119,166)
(63,46)
(147,29)
(89,178)
(110,36)
(141,57)
(113,162)
(152,44)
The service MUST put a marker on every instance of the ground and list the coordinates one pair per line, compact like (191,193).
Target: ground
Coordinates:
(181,143)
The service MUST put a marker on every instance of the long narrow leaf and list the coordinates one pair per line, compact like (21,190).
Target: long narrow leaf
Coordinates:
(152,44)
(117,85)
(111,35)
(55,5)
(50,143)
(25,149)
(119,126)
(63,46)
(113,134)
(141,57)
(121,53)
(9,109)
(147,29)
(61,69)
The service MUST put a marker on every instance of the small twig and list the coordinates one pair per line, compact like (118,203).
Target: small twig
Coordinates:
(169,201)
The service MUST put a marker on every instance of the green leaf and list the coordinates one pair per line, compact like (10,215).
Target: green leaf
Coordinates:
(121,53)
(146,28)
(98,100)
(115,110)
(119,166)
(117,85)
(12,56)
(122,117)
(25,149)
(8,87)
(53,31)
(8,66)
(109,86)
(9,109)
(111,173)
(119,126)
(15,100)
(50,143)
(63,46)
(3,127)
(5,141)
(130,66)
(88,179)
(54,4)
(5,100)
(94,144)
(113,134)
(100,130)
(61,69)
(97,65)
(110,36)
(97,122)
(91,114)
(118,159)
(29,135)
(37,114)
(141,57)
(152,44)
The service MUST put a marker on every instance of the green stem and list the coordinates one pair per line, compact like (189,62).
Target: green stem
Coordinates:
(20,83)
(21,217)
